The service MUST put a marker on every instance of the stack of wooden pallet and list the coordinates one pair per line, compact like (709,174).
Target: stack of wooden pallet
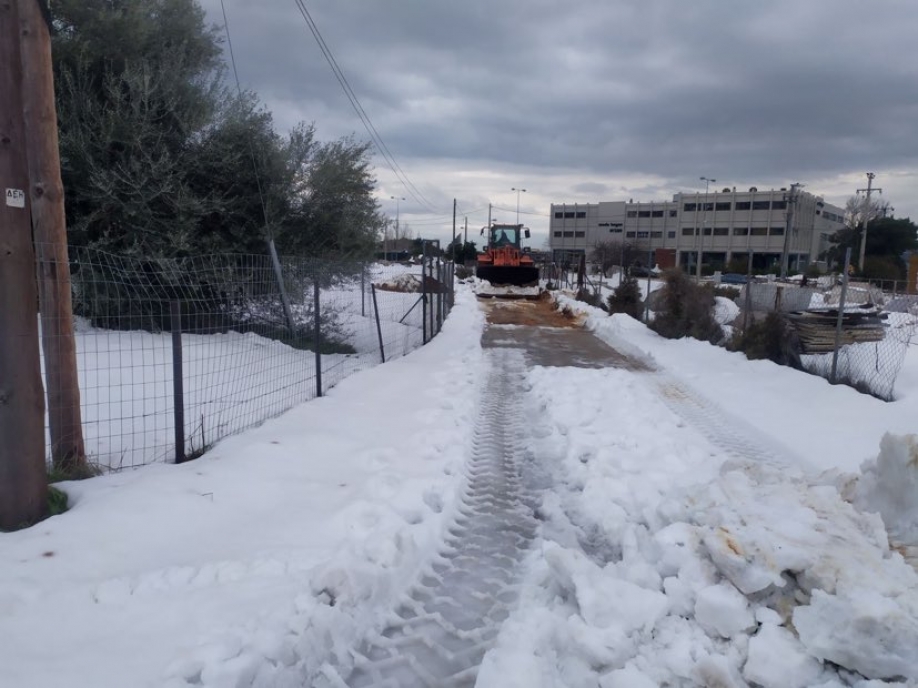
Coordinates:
(816,329)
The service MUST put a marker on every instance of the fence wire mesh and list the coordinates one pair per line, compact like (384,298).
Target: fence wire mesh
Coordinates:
(854,334)
(220,340)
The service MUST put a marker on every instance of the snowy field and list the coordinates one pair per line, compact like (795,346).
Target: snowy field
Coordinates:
(232,381)
(715,522)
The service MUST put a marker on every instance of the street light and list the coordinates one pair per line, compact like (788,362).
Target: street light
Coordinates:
(704,221)
(518,192)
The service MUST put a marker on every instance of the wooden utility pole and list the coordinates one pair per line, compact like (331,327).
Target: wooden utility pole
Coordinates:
(23,478)
(867,211)
(46,193)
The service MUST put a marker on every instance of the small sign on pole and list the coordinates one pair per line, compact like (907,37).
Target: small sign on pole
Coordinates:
(15,198)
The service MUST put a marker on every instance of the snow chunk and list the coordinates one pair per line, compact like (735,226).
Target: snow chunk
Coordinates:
(604,600)
(776,660)
(862,631)
(747,567)
(629,677)
(725,310)
(721,609)
(889,486)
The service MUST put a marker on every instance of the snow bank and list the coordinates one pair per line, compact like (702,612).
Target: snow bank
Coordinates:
(669,561)
(263,558)
(888,485)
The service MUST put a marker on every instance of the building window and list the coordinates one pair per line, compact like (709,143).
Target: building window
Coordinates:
(779,205)
(740,231)
(558,214)
(722,206)
(721,231)
(656,235)
(673,213)
(689,207)
(743,205)
(557,234)
(643,213)
(707,207)
(707,231)
(688,231)
(632,213)
(818,212)
(579,235)
(761,205)
(643,235)
(569,235)
(581,213)
(759,231)
(657,213)
(569,214)
(671,235)
(629,235)
(777,231)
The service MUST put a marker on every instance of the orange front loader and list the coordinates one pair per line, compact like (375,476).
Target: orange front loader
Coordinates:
(503,261)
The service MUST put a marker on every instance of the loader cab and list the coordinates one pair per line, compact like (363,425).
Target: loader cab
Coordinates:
(507,235)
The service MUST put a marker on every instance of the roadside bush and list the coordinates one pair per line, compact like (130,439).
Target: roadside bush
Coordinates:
(626,298)
(463,272)
(731,293)
(772,338)
(591,298)
(686,309)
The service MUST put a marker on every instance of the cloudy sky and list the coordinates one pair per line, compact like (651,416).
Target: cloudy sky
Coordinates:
(588,100)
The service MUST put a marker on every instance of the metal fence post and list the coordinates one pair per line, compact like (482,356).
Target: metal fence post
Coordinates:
(363,290)
(317,327)
(841,312)
(439,296)
(382,351)
(424,296)
(178,388)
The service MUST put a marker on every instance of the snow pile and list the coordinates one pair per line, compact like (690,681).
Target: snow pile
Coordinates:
(888,485)
(257,562)
(725,310)
(403,283)
(667,560)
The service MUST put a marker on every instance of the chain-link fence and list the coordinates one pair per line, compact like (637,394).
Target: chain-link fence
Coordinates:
(174,354)
(854,334)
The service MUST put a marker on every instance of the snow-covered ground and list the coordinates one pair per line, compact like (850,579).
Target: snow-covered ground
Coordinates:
(693,531)
(232,380)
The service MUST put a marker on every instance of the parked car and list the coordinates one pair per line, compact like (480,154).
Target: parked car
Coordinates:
(733,278)
(641,271)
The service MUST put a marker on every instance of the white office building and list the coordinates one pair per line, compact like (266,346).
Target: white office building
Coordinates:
(719,226)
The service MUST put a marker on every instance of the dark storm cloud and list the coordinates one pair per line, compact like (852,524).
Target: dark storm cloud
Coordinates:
(744,90)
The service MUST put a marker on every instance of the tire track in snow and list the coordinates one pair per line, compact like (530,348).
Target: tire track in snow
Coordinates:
(724,430)
(445,624)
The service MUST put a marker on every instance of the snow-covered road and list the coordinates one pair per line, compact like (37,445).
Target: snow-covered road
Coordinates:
(667,521)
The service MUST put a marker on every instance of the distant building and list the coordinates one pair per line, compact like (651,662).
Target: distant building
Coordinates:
(724,226)
(396,249)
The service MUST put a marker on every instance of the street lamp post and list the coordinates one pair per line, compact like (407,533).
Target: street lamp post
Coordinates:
(704,222)
(518,192)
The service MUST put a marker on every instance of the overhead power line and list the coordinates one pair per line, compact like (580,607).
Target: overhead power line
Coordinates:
(522,212)
(381,146)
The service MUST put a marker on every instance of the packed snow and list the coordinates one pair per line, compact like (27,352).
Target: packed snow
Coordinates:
(714,521)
